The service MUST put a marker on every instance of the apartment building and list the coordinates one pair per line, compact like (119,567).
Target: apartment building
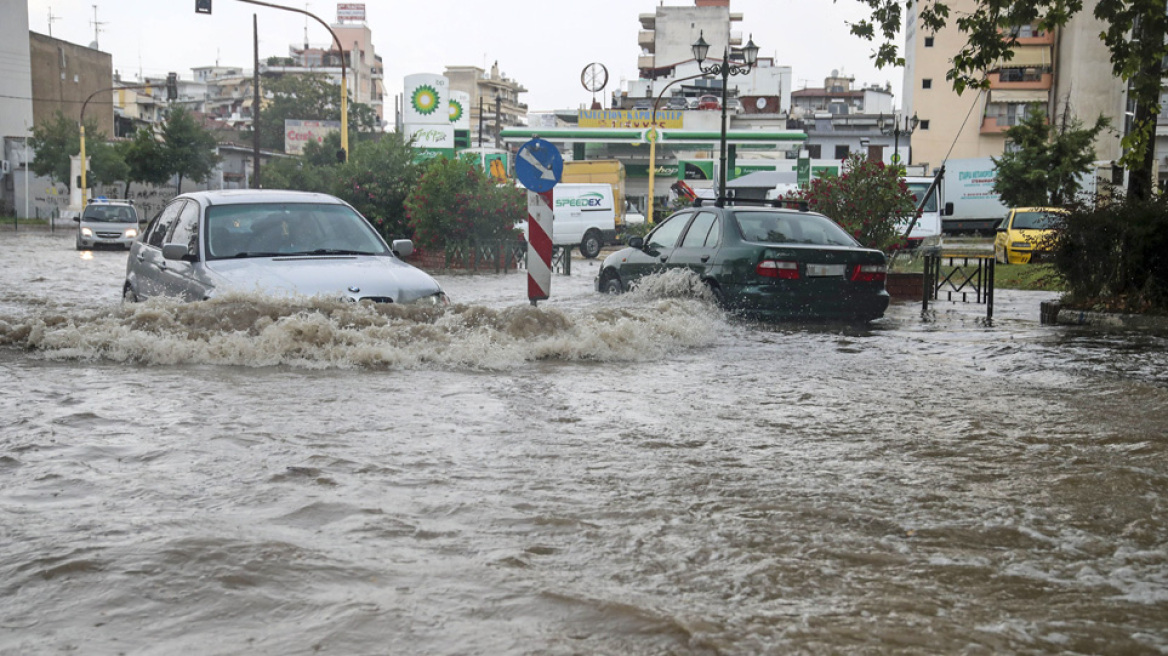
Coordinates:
(497,93)
(1052,71)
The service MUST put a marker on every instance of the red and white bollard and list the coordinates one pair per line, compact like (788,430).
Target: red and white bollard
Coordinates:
(539,245)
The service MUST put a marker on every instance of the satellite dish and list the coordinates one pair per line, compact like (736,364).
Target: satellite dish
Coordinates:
(835,72)
(760,103)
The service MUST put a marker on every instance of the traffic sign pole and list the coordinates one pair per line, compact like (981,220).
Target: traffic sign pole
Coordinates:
(539,245)
(539,167)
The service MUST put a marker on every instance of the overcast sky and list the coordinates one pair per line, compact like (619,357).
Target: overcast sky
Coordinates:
(541,44)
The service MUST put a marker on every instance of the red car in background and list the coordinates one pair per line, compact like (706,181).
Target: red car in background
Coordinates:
(709,102)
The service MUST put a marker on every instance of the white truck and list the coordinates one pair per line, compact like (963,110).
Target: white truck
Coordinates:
(969,189)
(583,214)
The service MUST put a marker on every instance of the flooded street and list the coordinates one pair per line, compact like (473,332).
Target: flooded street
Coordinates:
(602,475)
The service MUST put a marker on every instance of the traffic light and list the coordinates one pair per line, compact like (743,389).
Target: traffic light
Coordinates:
(172,86)
(202,6)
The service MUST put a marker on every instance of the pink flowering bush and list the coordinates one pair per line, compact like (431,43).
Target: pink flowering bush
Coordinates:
(455,202)
(870,200)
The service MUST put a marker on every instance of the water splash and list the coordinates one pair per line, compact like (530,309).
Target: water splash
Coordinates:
(243,329)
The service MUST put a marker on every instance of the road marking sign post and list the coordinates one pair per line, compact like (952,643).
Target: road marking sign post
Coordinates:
(539,167)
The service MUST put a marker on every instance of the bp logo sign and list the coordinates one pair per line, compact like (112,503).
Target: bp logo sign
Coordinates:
(455,111)
(425,100)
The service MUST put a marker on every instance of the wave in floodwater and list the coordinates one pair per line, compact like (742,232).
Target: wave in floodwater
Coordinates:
(665,313)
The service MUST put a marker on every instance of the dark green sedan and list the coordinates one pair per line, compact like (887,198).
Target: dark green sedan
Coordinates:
(772,262)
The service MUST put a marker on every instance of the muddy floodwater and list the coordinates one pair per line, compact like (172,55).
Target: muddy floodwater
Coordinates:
(632,475)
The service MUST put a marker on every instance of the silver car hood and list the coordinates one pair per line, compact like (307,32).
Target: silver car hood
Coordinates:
(337,276)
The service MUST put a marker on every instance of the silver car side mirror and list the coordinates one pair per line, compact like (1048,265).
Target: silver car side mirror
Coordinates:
(403,247)
(175,251)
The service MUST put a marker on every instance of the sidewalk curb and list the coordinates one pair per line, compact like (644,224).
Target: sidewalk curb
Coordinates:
(1052,313)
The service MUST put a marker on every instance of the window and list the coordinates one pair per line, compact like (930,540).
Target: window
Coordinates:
(161,226)
(814,151)
(186,229)
(924,125)
(841,151)
(665,236)
(928,42)
(699,232)
(927,83)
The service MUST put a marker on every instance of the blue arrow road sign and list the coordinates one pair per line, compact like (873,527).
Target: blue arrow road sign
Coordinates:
(539,165)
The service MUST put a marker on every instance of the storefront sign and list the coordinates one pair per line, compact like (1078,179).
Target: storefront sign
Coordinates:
(634,118)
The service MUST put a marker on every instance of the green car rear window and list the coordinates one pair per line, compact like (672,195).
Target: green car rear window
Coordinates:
(791,228)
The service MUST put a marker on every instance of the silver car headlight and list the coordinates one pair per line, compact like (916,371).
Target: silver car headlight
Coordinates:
(86,232)
(130,233)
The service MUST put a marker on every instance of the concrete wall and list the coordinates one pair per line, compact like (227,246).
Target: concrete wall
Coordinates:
(1085,83)
(63,77)
(16,117)
(678,27)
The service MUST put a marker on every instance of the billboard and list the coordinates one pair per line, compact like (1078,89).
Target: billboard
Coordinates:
(432,141)
(298,133)
(427,100)
(632,118)
(350,12)
(460,110)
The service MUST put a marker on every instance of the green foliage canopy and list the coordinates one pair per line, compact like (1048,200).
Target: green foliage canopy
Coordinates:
(455,202)
(870,200)
(1044,166)
(1134,34)
(189,147)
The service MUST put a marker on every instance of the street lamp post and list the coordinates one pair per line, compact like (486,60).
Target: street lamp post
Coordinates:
(655,135)
(909,125)
(725,69)
(344,82)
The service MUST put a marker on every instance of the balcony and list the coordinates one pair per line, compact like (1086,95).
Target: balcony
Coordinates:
(647,39)
(648,21)
(1019,78)
(646,61)
(736,38)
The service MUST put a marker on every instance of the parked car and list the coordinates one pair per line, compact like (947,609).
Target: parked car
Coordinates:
(709,102)
(1024,236)
(766,261)
(277,242)
(107,223)
(677,102)
(642,105)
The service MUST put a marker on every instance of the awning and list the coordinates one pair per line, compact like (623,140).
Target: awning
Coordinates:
(1018,96)
(1027,57)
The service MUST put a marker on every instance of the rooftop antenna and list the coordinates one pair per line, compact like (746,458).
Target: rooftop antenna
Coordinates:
(52,19)
(96,28)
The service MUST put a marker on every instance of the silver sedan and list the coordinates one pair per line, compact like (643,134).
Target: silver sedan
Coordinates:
(274,242)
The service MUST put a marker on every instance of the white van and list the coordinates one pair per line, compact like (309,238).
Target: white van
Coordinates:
(584,214)
(929,223)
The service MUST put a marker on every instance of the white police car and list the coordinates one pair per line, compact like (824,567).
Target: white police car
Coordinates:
(107,223)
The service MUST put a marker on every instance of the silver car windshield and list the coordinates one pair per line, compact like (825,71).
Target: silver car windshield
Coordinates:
(280,229)
(110,214)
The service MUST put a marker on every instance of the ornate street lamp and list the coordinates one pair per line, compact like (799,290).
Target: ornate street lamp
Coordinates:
(725,70)
(900,125)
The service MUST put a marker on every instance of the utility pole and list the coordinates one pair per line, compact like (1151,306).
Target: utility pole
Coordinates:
(255,107)
(498,120)
(52,19)
(96,28)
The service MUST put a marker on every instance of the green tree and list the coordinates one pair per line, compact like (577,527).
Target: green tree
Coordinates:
(145,159)
(455,202)
(55,141)
(870,200)
(107,163)
(309,98)
(1044,166)
(189,147)
(377,180)
(316,169)
(1134,33)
